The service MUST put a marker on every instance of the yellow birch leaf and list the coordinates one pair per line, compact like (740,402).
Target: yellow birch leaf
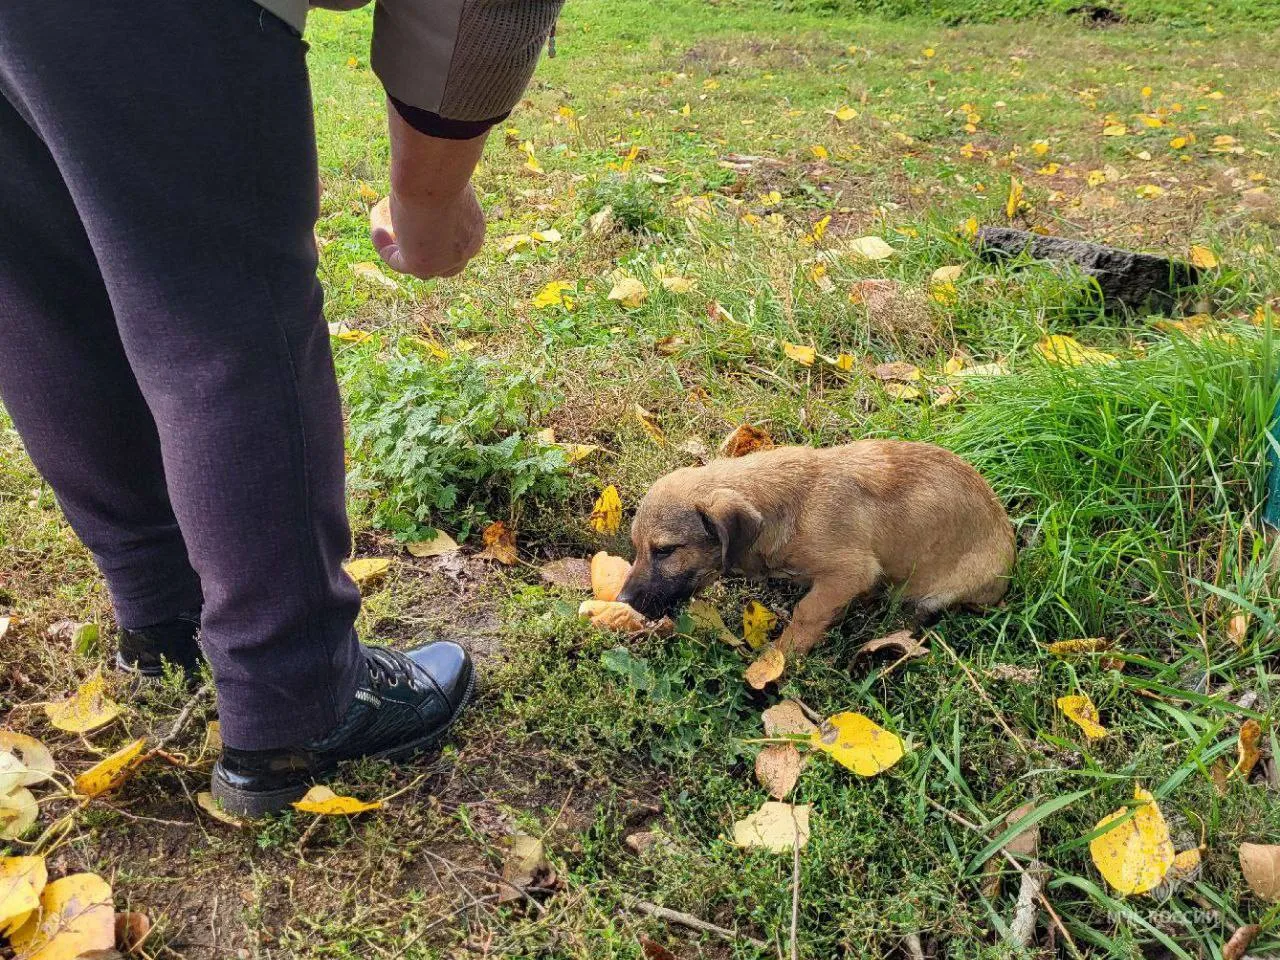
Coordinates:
(323,801)
(112,772)
(819,151)
(608,574)
(555,294)
(1064,351)
(87,709)
(947,274)
(437,546)
(1177,143)
(858,743)
(21,881)
(677,284)
(799,353)
(629,292)
(954,365)
(870,248)
(209,805)
(1114,130)
(845,113)
(778,768)
(1081,711)
(1134,856)
(1040,148)
(370,273)
(36,759)
(842,361)
(744,439)
(1248,748)
(902,391)
(18,811)
(1072,648)
(776,827)
(606,515)
(76,917)
(758,622)
(650,424)
(818,232)
(704,615)
(549,235)
(499,544)
(766,668)
(517,241)
(1015,198)
(367,570)
(1203,257)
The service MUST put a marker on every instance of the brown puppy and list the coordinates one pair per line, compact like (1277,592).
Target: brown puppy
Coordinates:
(841,520)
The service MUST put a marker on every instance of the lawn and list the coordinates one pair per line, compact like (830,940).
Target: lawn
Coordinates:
(730,155)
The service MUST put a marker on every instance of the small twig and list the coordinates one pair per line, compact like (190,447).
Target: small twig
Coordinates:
(307,834)
(690,921)
(1023,928)
(983,694)
(914,947)
(184,716)
(1053,914)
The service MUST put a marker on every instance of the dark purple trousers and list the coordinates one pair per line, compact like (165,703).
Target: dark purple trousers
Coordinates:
(162,347)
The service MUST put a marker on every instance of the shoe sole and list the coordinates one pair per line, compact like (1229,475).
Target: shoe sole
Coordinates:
(255,804)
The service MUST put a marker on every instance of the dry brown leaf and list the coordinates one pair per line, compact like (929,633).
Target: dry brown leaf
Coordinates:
(132,930)
(572,573)
(1238,945)
(778,768)
(897,370)
(1027,842)
(767,668)
(1260,864)
(525,868)
(901,643)
(621,617)
(787,718)
(499,544)
(746,439)
(1238,628)
(608,574)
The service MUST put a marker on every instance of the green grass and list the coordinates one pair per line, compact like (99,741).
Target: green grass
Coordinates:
(1135,488)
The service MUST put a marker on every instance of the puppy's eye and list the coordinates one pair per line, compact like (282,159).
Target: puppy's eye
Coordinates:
(660,553)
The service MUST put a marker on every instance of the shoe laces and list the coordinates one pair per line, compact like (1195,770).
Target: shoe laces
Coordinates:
(387,668)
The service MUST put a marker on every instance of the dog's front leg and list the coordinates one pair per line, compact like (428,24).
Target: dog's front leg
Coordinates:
(817,610)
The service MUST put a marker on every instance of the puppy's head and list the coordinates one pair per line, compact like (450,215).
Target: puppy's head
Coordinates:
(685,537)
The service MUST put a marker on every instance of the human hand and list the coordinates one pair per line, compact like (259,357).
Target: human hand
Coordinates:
(428,237)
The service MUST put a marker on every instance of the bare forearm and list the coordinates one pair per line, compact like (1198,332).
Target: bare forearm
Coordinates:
(427,169)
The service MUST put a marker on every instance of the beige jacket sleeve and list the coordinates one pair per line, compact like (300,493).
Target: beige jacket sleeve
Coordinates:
(460,60)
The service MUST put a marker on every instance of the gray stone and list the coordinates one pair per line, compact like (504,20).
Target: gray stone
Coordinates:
(1127,279)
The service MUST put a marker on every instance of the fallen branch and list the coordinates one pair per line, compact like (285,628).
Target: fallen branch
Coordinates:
(690,921)
(183,718)
(1023,928)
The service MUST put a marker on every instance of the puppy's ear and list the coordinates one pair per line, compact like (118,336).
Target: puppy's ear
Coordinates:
(732,519)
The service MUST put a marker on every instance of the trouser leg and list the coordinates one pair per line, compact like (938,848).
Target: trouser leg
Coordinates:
(183,132)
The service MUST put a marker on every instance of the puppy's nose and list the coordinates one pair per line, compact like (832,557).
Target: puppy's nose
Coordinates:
(627,595)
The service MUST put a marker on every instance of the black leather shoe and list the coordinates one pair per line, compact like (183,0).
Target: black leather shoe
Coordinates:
(176,641)
(405,703)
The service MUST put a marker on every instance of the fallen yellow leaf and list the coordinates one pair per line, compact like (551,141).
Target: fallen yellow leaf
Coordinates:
(800,354)
(629,292)
(1248,748)
(1015,198)
(209,805)
(776,827)
(367,571)
(677,284)
(845,113)
(87,709)
(76,917)
(499,544)
(323,801)
(1133,856)
(1065,351)
(1071,648)
(37,761)
(112,772)
(650,424)
(18,811)
(608,574)
(438,545)
(369,272)
(555,294)
(704,615)
(1081,711)
(758,622)
(21,881)
(858,743)
(902,391)
(871,248)
(1115,130)
(766,668)
(1204,258)
(606,515)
